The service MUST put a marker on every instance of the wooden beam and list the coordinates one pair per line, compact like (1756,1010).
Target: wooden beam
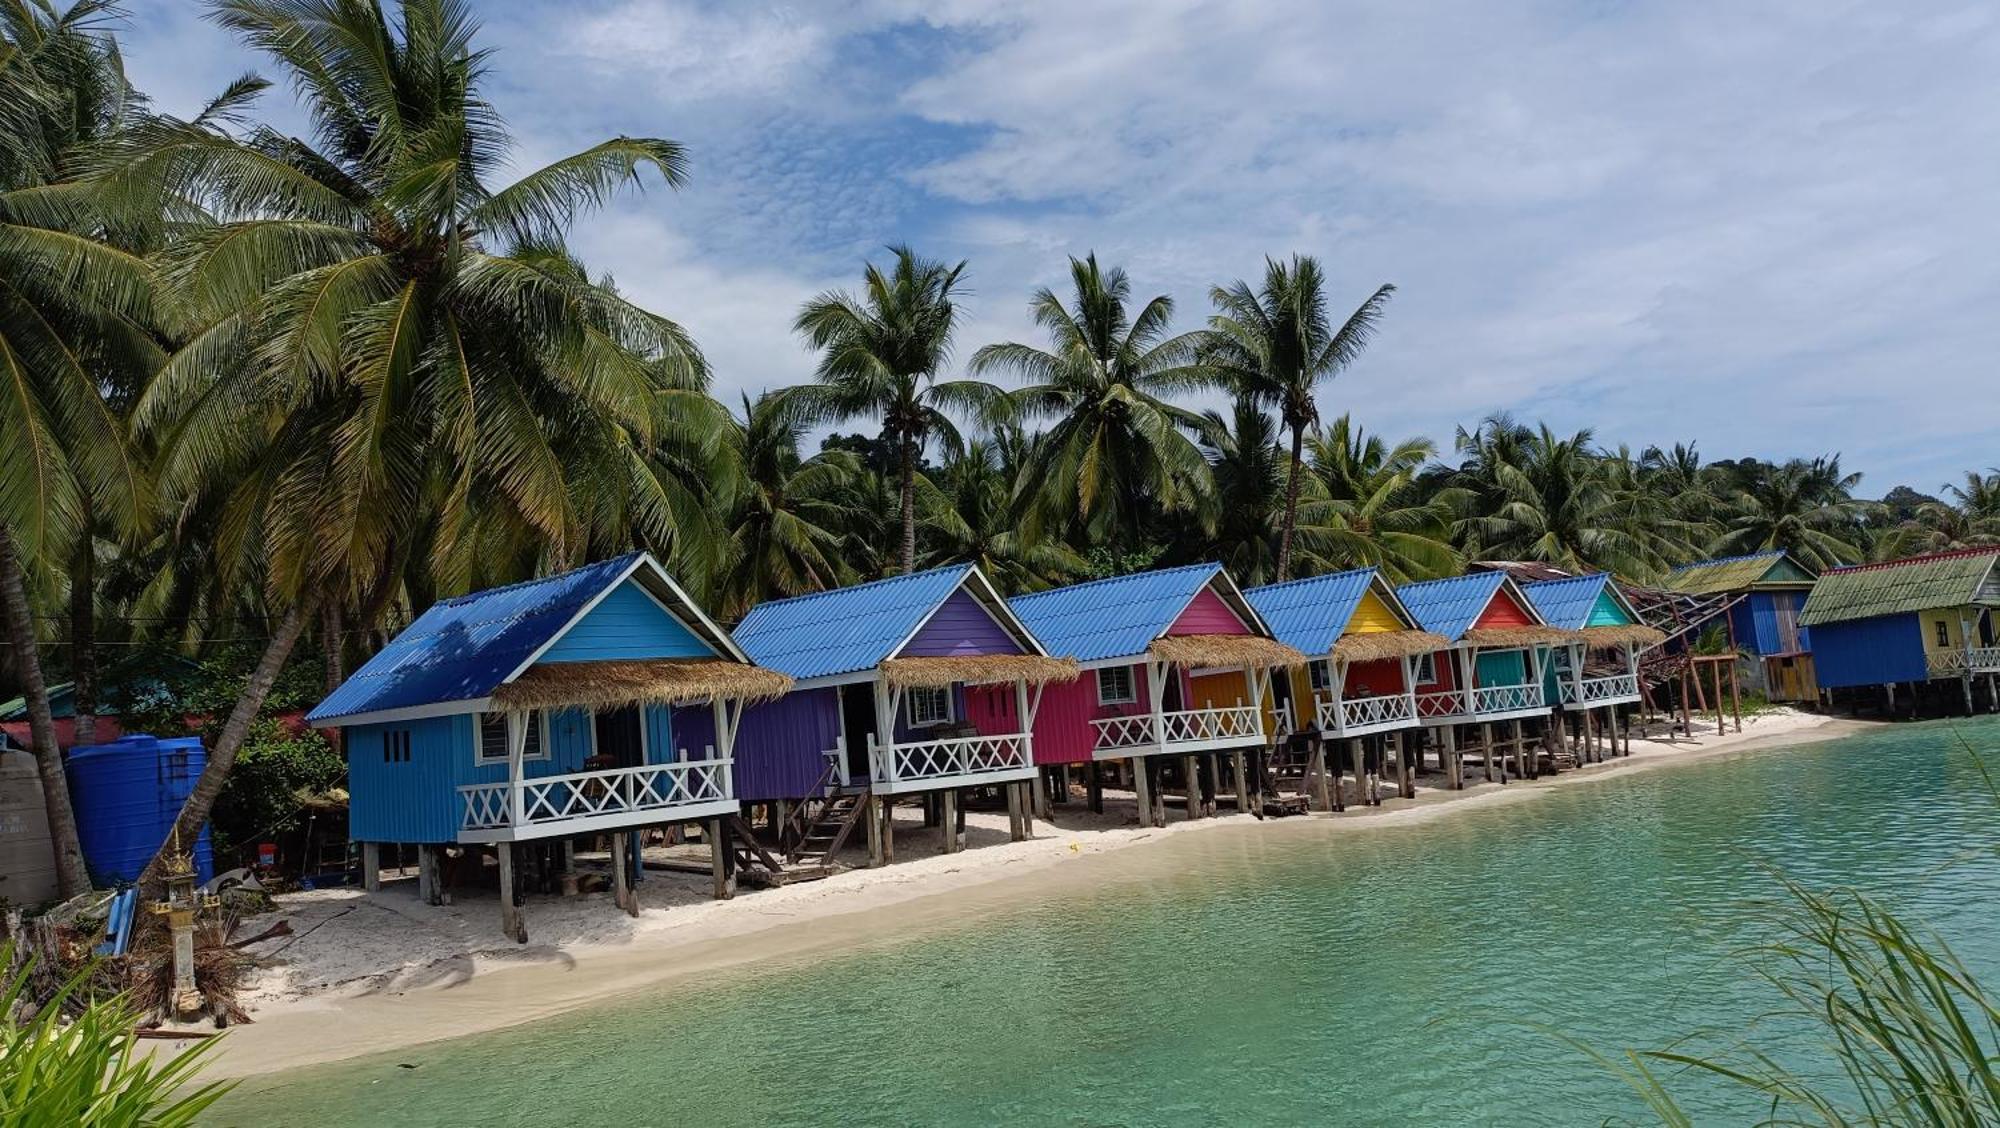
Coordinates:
(874,820)
(1140,788)
(949,802)
(1192,777)
(510,905)
(718,858)
(1236,768)
(371,867)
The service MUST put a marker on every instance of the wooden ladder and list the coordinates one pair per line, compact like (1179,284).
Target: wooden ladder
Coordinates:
(820,825)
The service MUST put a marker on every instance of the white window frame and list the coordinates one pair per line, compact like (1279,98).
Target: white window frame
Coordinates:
(1319,675)
(645,734)
(537,717)
(928,693)
(1131,694)
(1427,676)
(1943,634)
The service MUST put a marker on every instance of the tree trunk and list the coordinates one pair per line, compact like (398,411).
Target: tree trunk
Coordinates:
(83,635)
(333,669)
(1291,515)
(71,876)
(909,503)
(223,756)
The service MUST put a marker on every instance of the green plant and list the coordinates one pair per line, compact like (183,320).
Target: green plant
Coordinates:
(276,768)
(88,1069)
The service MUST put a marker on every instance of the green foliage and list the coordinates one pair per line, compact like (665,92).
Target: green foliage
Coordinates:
(88,1069)
(275,769)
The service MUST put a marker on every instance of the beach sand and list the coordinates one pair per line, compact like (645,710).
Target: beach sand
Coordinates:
(365,973)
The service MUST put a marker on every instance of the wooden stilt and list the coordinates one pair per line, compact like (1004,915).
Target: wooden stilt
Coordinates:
(1027,810)
(1094,787)
(510,901)
(427,875)
(371,867)
(874,821)
(1140,788)
(1317,795)
(1454,766)
(1236,768)
(1193,780)
(888,829)
(1524,756)
(1490,753)
(621,874)
(1041,792)
(717,833)
(1405,770)
(948,799)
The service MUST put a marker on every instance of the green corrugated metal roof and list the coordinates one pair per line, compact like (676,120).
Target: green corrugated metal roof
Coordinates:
(1921,583)
(1735,573)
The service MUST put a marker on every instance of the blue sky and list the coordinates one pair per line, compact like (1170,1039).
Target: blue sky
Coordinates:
(1768,228)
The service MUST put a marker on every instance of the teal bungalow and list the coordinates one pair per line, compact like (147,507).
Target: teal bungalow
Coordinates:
(1599,669)
(602,699)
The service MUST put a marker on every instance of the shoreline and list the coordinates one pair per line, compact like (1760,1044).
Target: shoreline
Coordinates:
(449,974)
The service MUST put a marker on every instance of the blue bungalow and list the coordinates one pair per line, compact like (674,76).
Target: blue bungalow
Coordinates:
(1759,597)
(1495,667)
(598,700)
(915,684)
(1913,621)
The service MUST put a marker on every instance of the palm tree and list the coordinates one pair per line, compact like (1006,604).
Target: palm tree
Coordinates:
(785,523)
(1116,445)
(1805,507)
(880,354)
(75,307)
(381,350)
(1249,472)
(1278,345)
(968,517)
(1551,499)
(1364,507)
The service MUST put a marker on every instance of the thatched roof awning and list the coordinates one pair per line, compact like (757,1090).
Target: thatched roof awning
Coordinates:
(1377,645)
(1225,650)
(1629,634)
(1519,636)
(653,681)
(978,669)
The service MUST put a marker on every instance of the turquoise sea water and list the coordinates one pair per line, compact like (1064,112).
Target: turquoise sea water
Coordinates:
(1280,977)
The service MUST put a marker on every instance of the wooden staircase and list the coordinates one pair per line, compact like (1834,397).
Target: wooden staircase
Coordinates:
(820,827)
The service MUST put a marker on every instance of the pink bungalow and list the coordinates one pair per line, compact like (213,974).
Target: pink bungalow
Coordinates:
(1176,664)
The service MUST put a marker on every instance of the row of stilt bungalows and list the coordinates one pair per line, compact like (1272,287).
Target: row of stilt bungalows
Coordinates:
(1916,634)
(532,732)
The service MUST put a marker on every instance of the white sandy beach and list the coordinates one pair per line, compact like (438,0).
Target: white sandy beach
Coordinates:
(364,973)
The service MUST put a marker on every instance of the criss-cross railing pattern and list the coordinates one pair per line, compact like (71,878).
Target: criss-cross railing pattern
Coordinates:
(1595,691)
(1182,727)
(949,756)
(1440,703)
(553,799)
(1342,715)
(1981,659)
(1506,698)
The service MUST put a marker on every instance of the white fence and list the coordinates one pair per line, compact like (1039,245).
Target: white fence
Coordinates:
(1188,729)
(1342,716)
(949,757)
(651,790)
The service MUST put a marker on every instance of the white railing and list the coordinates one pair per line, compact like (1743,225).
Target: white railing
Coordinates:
(1343,715)
(585,795)
(949,756)
(1951,663)
(1593,691)
(1984,658)
(1440,703)
(1184,727)
(1506,698)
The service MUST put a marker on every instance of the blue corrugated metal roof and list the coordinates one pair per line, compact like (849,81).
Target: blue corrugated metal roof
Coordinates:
(1567,603)
(1111,618)
(463,648)
(1450,606)
(845,630)
(1309,615)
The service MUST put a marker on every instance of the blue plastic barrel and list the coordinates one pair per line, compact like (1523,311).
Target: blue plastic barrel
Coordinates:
(127,795)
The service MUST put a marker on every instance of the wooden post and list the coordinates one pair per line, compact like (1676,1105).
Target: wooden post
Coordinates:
(1317,798)
(1190,771)
(1236,766)
(888,829)
(1716,676)
(1041,792)
(1093,782)
(1736,698)
(1454,767)
(718,859)
(949,801)
(371,867)
(1142,791)
(1486,752)
(874,821)
(1522,765)
(1406,780)
(621,877)
(510,905)
(1027,810)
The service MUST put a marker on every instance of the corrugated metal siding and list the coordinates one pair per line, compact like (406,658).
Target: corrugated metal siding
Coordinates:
(1500,667)
(1206,614)
(780,744)
(994,710)
(1111,618)
(626,625)
(846,630)
(1444,664)
(690,733)
(572,735)
(960,626)
(1876,651)
(1374,678)
(1063,734)
(1503,611)
(461,648)
(1224,690)
(1450,607)
(1604,612)
(414,800)
(1372,616)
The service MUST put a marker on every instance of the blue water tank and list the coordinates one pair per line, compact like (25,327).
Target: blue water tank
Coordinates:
(127,795)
